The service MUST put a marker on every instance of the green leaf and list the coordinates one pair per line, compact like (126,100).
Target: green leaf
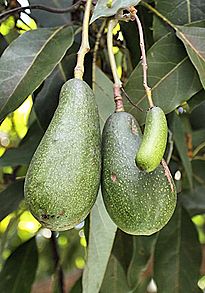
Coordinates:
(179,137)
(23,154)
(194,200)
(101,236)
(28,61)
(115,278)
(139,272)
(185,13)
(47,19)
(194,41)
(123,248)
(197,117)
(177,256)
(20,268)
(10,198)
(104,96)
(168,68)
(102,9)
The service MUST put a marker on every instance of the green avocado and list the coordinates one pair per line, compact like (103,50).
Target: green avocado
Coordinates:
(139,203)
(154,140)
(63,178)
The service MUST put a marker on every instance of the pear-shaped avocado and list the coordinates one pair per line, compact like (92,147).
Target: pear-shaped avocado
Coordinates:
(64,174)
(139,203)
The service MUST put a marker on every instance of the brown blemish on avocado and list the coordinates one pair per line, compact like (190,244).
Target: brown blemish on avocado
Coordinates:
(167,174)
(113,177)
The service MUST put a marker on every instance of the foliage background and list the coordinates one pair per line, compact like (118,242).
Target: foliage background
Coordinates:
(37,57)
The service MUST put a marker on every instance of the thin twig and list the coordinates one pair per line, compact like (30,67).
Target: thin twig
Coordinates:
(117,82)
(198,148)
(95,51)
(40,7)
(85,47)
(131,102)
(57,266)
(144,61)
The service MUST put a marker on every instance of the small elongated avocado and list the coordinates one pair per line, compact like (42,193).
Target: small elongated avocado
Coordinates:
(64,174)
(154,140)
(139,203)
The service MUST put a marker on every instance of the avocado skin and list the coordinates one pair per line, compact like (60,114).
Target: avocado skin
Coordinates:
(154,140)
(63,178)
(139,203)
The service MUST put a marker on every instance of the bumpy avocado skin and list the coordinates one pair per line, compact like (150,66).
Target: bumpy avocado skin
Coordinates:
(139,203)
(154,140)
(63,178)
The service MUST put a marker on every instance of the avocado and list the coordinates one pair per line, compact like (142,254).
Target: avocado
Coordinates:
(63,178)
(154,140)
(138,202)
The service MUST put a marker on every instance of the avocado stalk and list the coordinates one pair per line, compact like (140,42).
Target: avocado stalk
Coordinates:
(85,47)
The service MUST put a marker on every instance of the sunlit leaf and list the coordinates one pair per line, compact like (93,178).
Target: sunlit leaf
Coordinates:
(102,8)
(28,61)
(20,268)
(168,68)
(101,236)
(178,255)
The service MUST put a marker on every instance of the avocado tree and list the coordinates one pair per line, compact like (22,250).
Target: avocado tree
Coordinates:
(100,191)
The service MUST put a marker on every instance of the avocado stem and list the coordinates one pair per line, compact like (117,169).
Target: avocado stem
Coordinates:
(85,47)
(144,59)
(117,82)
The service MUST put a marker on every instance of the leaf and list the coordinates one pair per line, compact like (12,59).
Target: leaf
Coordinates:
(102,10)
(179,12)
(194,41)
(179,137)
(23,154)
(123,248)
(139,272)
(101,237)
(194,200)
(177,256)
(10,198)
(115,278)
(47,19)
(28,61)
(104,96)
(197,100)
(171,76)
(197,117)
(20,268)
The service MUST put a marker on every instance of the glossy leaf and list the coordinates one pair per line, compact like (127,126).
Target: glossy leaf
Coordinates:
(20,268)
(194,41)
(115,278)
(47,19)
(177,256)
(23,154)
(140,272)
(102,9)
(194,200)
(179,137)
(168,68)
(179,12)
(101,236)
(10,198)
(28,61)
